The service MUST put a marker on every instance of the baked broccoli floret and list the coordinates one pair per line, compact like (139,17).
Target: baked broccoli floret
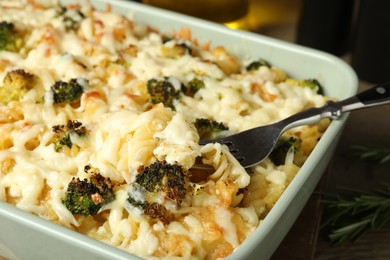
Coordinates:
(166,38)
(10,39)
(158,211)
(278,155)
(309,83)
(158,179)
(162,176)
(209,129)
(137,198)
(63,133)
(15,85)
(193,86)
(19,79)
(257,64)
(68,92)
(87,197)
(162,91)
(72,17)
(313,84)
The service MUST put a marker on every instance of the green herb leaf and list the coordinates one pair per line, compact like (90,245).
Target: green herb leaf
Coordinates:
(372,154)
(348,218)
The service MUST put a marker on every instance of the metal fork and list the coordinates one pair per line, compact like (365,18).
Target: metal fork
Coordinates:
(254,145)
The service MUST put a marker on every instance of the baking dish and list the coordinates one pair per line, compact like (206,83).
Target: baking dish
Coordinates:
(25,236)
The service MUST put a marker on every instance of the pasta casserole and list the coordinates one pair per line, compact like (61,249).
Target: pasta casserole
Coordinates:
(100,123)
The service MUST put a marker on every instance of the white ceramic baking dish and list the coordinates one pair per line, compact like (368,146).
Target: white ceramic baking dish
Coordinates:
(25,236)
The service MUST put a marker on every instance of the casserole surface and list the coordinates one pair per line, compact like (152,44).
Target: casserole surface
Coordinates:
(296,61)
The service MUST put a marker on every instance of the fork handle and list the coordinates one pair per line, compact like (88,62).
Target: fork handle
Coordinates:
(375,96)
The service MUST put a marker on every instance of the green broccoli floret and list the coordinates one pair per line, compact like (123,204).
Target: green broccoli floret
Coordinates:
(10,39)
(72,17)
(193,86)
(278,155)
(162,176)
(63,133)
(209,129)
(166,38)
(153,210)
(313,84)
(257,64)
(68,92)
(15,85)
(19,79)
(87,197)
(162,91)
(309,83)
(159,179)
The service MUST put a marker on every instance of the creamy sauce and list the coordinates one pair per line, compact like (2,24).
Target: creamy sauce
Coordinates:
(112,59)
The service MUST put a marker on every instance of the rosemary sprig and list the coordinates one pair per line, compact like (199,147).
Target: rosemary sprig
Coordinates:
(348,218)
(372,154)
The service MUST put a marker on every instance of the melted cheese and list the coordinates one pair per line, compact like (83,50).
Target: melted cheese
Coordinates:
(113,59)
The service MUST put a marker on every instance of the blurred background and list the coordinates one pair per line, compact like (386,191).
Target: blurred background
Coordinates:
(358,28)
(357,31)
